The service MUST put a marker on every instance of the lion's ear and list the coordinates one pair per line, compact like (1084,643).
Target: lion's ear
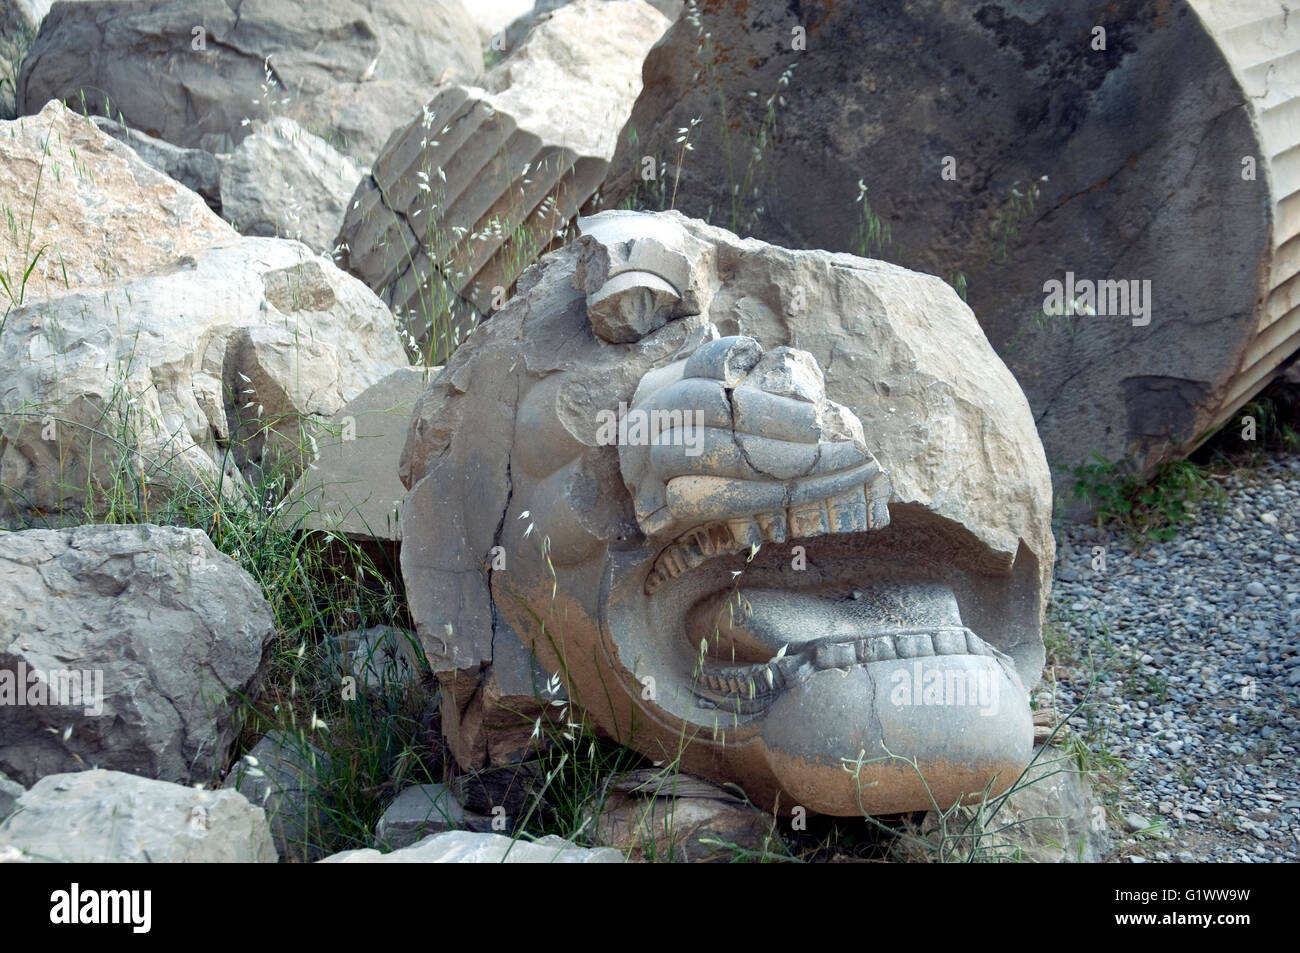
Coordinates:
(639,272)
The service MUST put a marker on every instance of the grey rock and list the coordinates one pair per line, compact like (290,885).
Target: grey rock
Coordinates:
(146,635)
(280,776)
(196,169)
(423,810)
(1053,816)
(962,87)
(1256,589)
(110,817)
(282,181)
(1135,822)
(467,847)
(19,21)
(350,70)
(353,487)
(380,656)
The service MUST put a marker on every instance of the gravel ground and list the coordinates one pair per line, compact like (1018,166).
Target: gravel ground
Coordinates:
(1191,649)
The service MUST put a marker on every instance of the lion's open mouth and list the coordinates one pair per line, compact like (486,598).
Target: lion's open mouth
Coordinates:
(752,644)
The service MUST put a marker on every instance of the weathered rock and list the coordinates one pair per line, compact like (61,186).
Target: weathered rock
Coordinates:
(423,810)
(512,787)
(280,776)
(353,486)
(480,183)
(197,170)
(1052,817)
(224,363)
(859,471)
(1000,143)
(686,820)
(110,817)
(101,214)
(124,647)
(23,15)
(283,181)
(10,792)
(350,70)
(467,847)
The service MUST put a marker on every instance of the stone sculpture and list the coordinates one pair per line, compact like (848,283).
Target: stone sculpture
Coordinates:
(784,513)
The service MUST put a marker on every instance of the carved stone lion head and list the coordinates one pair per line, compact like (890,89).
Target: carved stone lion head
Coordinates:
(783,513)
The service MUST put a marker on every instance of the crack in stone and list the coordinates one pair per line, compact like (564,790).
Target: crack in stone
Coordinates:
(498,535)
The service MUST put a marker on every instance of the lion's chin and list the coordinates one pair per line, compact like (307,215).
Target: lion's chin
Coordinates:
(901,735)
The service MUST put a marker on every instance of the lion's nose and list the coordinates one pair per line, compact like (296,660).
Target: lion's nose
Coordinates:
(740,362)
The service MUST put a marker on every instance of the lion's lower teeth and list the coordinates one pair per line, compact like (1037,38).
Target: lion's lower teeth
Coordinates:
(850,512)
(773,677)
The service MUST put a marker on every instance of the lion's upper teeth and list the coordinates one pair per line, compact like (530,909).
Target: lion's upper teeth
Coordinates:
(854,511)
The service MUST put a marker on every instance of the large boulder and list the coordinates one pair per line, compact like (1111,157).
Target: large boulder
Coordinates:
(1009,147)
(193,71)
(482,181)
(99,817)
(87,210)
(858,472)
(217,368)
(124,647)
(283,181)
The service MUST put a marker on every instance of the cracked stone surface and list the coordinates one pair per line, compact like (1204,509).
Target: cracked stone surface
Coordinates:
(1141,145)
(883,535)
(280,775)
(350,71)
(164,632)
